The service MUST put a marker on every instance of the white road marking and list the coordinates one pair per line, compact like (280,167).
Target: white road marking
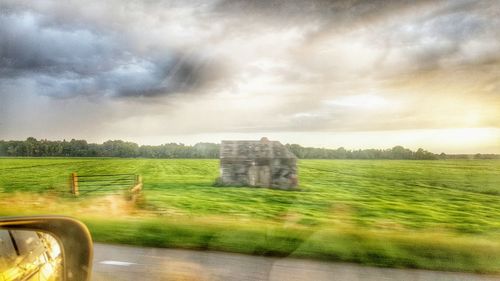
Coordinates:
(119,263)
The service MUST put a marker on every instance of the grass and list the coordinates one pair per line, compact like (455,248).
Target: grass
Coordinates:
(424,214)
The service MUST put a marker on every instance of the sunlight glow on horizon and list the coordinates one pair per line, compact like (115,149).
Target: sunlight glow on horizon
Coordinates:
(450,141)
(360,101)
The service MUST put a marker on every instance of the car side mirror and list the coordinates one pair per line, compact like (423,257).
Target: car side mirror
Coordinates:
(44,248)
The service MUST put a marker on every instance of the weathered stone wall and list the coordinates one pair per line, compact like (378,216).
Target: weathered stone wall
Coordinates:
(261,163)
(235,172)
(284,173)
(276,173)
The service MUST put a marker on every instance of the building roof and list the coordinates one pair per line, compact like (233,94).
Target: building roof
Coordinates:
(245,149)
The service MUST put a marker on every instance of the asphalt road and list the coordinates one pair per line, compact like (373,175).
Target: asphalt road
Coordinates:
(119,263)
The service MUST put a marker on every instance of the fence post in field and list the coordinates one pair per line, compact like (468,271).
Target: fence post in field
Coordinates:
(136,189)
(74,184)
(138,184)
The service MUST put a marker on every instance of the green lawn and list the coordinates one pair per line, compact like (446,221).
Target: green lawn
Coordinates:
(427,214)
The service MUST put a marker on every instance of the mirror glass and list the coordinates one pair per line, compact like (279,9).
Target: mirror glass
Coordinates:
(29,255)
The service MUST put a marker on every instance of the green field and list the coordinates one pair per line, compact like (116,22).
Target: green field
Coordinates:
(426,214)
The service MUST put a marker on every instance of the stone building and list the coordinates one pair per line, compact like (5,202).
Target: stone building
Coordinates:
(261,163)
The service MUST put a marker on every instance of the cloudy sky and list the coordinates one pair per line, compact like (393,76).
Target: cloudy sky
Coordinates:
(358,74)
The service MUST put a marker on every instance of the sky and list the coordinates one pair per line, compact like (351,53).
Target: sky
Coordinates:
(357,74)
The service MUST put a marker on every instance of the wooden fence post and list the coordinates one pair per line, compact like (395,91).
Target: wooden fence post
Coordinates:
(136,189)
(138,184)
(74,183)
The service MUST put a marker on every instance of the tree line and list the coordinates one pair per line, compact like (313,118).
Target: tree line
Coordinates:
(397,152)
(32,147)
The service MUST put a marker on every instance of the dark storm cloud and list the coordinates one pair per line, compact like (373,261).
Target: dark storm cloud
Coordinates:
(180,73)
(448,36)
(27,47)
(454,35)
(69,59)
(329,15)
(290,10)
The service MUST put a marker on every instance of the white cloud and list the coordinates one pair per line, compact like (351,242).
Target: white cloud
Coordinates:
(366,101)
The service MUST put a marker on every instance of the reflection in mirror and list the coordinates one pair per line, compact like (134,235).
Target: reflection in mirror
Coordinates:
(29,255)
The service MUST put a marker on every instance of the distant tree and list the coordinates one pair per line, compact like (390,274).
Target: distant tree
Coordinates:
(399,152)
(3,148)
(341,153)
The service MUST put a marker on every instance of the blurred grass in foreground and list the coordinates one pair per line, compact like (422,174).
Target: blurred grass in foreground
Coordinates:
(438,251)
(425,214)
